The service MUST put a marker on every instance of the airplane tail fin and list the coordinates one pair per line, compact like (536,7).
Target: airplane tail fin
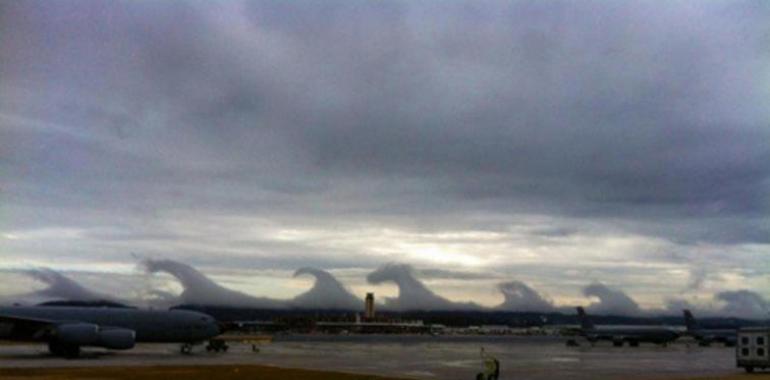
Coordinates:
(689,320)
(585,322)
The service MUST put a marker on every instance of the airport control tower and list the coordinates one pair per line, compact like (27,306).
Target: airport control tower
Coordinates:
(369,313)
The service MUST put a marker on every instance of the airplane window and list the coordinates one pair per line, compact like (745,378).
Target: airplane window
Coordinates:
(745,352)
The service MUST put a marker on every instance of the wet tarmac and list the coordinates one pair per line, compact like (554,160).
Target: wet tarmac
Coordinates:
(450,358)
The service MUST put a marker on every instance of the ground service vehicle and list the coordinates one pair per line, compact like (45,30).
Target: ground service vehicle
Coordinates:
(753,348)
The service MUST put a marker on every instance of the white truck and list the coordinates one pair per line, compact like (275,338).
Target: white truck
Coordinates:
(753,348)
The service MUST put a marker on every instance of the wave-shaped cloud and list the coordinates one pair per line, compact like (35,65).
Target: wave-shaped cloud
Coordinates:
(412,293)
(62,287)
(327,292)
(59,288)
(200,290)
(520,297)
(744,304)
(611,301)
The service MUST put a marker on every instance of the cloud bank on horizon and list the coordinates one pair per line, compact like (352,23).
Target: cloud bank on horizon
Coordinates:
(555,143)
(330,294)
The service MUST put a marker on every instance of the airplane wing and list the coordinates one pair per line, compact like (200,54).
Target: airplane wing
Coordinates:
(24,328)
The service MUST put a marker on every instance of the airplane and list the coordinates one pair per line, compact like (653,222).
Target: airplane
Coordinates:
(621,334)
(67,329)
(705,337)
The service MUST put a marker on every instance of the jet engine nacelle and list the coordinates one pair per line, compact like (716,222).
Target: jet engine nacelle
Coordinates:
(117,339)
(86,334)
(77,334)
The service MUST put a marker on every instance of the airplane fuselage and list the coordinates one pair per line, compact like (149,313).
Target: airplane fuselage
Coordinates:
(633,334)
(152,326)
(707,336)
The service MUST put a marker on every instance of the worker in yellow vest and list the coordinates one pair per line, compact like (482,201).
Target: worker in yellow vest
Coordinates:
(491,367)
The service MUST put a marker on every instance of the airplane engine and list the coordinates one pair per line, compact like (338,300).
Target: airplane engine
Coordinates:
(86,334)
(77,334)
(117,339)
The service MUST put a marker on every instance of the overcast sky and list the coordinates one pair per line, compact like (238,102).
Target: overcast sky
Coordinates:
(557,143)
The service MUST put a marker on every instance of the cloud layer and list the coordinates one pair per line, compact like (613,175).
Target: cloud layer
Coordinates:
(329,293)
(550,142)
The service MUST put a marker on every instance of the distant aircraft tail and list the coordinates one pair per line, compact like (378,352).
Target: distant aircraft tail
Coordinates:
(585,322)
(689,320)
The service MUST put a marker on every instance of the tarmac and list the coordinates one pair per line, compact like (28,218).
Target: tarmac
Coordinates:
(412,358)
(178,372)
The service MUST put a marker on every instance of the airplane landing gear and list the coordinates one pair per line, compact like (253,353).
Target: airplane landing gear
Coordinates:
(217,345)
(186,348)
(69,351)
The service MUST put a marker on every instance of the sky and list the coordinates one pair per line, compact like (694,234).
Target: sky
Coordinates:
(568,146)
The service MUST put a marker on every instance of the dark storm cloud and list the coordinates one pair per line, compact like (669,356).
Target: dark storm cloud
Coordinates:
(121,119)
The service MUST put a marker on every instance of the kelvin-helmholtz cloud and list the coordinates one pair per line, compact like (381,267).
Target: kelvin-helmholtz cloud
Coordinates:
(743,303)
(520,297)
(327,292)
(610,301)
(200,290)
(58,288)
(197,289)
(549,142)
(412,293)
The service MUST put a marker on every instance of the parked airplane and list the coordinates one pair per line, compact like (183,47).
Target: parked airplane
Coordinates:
(66,329)
(704,336)
(621,334)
